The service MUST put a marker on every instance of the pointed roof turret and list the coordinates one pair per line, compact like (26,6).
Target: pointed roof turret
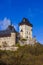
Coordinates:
(26,22)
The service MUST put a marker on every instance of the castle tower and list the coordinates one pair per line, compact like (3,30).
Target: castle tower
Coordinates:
(25,29)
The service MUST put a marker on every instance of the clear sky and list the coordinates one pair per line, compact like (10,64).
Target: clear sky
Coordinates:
(15,10)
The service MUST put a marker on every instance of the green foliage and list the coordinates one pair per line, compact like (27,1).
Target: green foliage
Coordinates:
(25,55)
(23,39)
(17,45)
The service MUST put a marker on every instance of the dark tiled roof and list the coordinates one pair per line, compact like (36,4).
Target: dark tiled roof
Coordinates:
(7,32)
(11,28)
(26,22)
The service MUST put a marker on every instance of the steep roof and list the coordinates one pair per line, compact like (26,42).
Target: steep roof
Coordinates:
(11,29)
(7,32)
(26,22)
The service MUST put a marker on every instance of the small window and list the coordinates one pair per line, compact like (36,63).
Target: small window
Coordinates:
(21,31)
(27,36)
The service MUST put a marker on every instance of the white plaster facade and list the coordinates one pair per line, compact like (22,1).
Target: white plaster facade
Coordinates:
(10,41)
(25,31)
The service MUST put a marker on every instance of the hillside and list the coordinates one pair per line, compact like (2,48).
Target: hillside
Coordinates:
(25,55)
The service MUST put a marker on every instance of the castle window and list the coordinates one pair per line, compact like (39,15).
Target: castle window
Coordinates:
(27,37)
(21,31)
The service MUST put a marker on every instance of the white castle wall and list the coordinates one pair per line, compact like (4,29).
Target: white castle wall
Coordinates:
(26,31)
(9,40)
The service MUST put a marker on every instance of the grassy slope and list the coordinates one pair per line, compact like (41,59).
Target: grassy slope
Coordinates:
(25,55)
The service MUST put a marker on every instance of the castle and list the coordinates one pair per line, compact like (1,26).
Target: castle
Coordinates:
(10,36)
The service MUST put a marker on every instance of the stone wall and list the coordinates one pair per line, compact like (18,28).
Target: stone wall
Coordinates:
(28,42)
(9,48)
(26,31)
(8,41)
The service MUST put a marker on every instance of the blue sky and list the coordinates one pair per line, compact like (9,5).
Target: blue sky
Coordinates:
(15,10)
